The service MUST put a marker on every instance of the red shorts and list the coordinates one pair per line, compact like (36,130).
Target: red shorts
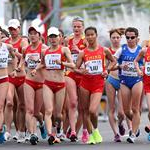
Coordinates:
(5,79)
(55,86)
(17,81)
(35,85)
(76,77)
(146,83)
(93,83)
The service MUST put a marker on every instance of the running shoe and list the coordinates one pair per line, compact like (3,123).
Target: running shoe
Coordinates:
(2,138)
(148,137)
(121,129)
(131,139)
(117,138)
(61,136)
(43,131)
(51,140)
(91,140)
(33,139)
(15,137)
(137,133)
(57,140)
(147,129)
(97,137)
(27,136)
(68,133)
(73,137)
(7,136)
(85,136)
(21,137)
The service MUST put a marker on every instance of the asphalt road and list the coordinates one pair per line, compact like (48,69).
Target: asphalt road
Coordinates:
(141,143)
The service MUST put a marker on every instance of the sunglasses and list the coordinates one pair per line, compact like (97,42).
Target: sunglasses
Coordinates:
(130,37)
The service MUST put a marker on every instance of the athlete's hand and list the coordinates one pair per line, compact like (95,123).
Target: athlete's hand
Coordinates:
(58,62)
(18,69)
(140,73)
(13,74)
(84,71)
(33,72)
(105,74)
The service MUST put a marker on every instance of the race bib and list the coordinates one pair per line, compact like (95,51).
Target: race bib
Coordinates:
(74,57)
(32,60)
(50,61)
(3,60)
(130,70)
(147,68)
(94,66)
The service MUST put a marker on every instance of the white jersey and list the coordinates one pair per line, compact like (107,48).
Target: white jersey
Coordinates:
(4,52)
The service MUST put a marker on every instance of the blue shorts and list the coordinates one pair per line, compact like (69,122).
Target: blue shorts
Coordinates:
(114,82)
(130,81)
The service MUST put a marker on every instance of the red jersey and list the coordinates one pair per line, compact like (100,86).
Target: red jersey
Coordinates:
(52,56)
(112,51)
(16,45)
(147,62)
(32,56)
(94,61)
(80,44)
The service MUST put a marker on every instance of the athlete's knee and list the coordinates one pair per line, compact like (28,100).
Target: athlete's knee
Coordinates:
(128,114)
(49,112)
(135,110)
(9,105)
(92,111)
(29,111)
(73,105)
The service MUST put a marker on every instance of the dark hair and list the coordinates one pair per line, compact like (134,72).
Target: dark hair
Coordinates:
(132,29)
(62,32)
(90,28)
(120,31)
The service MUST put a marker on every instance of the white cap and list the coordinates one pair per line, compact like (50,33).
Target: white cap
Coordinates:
(35,26)
(53,30)
(14,23)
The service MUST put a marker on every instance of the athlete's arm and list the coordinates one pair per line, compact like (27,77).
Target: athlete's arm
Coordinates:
(12,53)
(67,54)
(79,63)
(140,56)
(110,57)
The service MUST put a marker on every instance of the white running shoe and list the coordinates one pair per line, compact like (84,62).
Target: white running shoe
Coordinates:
(15,137)
(27,137)
(131,138)
(7,136)
(21,137)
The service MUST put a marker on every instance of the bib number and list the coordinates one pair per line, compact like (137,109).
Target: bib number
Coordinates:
(94,66)
(147,68)
(130,70)
(50,61)
(32,59)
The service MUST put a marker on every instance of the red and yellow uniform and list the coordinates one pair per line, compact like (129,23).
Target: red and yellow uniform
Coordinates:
(19,80)
(95,64)
(146,77)
(31,64)
(50,63)
(81,45)
(16,45)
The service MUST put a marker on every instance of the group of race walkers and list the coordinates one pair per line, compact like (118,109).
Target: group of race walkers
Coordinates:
(60,85)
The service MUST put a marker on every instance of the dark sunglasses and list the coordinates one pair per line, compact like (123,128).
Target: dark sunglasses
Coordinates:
(130,37)
(53,36)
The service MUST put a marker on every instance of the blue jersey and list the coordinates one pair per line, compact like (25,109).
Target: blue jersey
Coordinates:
(128,57)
